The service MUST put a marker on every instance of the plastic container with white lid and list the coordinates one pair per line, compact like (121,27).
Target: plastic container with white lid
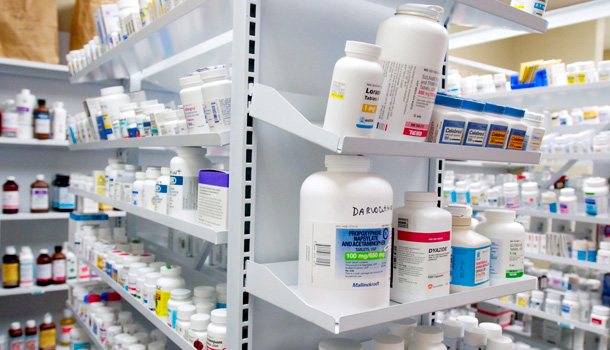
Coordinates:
(537,300)
(511,195)
(492,329)
(339,344)
(404,329)
(427,338)
(414,25)
(549,202)
(205,307)
(499,343)
(192,104)
(568,201)
(535,131)
(447,123)
(579,250)
(422,246)
(177,298)
(354,91)
(328,199)
(184,179)
(530,195)
(596,196)
(468,321)
(517,129)
(199,328)
(476,194)
(453,334)
(523,299)
(183,319)
(507,243)
(498,126)
(217,331)
(388,342)
(170,279)
(161,191)
(149,187)
(475,133)
(112,98)
(570,307)
(470,251)
(600,315)
(216,90)
(590,115)
(552,303)
(462,194)
(601,144)
(204,294)
(475,338)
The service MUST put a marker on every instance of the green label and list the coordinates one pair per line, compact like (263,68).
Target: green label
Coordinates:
(351,256)
(514,273)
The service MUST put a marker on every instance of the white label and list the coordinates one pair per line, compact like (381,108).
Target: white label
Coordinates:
(408,97)
(26,273)
(535,140)
(136,197)
(183,192)
(347,256)
(161,203)
(39,198)
(182,328)
(506,258)
(218,112)
(192,336)
(65,199)
(10,123)
(149,297)
(10,200)
(42,123)
(127,192)
(59,270)
(212,209)
(216,343)
(44,272)
(421,260)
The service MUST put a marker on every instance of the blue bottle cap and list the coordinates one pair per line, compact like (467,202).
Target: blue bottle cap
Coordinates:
(472,105)
(446,100)
(514,112)
(493,108)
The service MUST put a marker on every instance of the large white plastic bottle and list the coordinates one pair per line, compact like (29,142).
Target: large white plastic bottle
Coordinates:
(25,102)
(26,267)
(184,182)
(110,101)
(470,252)
(59,116)
(354,91)
(343,209)
(422,246)
(414,46)
(192,104)
(149,188)
(161,191)
(216,90)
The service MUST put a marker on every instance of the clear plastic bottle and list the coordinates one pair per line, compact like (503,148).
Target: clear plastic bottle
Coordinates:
(354,91)
(161,191)
(217,330)
(346,194)
(184,180)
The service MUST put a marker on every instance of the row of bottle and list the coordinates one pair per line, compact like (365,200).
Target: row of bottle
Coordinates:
(21,118)
(43,337)
(584,115)
(474,84)
(584,142)
(22,271)
(42,196)
(435,251)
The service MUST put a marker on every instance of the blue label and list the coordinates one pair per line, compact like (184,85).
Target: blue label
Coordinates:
(360,254)
(161,188)
(516,138)
(539,6)
(133,132)
(452,132)
(565,308)
(592,256)
(525,142)
(100,127)
(108,269)
(475,134)
(43,116)
(79,346)
(496,136)
(221,305)
(470,266)
(553,207)
(72,135)
(581,255)
(591,205)
(176,180)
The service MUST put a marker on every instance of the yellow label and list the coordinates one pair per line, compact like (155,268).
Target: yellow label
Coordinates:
(47,339)
(516,142)
(369,108)
(10,273)
(161,300)
(100,262)
(497,138)
(590,114)
(571,79)
(332,94)
(504,298)
(581,78)
(107,120)
(522,301)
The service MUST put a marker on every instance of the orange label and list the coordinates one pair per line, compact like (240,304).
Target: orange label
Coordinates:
(516,142)
(47,339)
(497,138)
(369,108)
(590,115)
(10,272)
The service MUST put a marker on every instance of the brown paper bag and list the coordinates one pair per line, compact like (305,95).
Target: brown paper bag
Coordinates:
(28,30)
(83,24)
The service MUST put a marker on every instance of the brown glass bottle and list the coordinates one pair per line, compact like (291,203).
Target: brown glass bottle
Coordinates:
(10,268)
(48,333)
(42,121)
(15,334)
(31,335)
(39,195)
(10,196)
(59,266)
(44,269)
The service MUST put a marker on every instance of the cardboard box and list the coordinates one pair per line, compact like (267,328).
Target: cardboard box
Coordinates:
(213,199)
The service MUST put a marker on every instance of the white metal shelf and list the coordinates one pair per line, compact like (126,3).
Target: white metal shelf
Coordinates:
(276,283)
(194,23)
(475,13)
(51,216)
(35,290)
(572,129)
(13,141)
(209,139)
(560,320)
(10,66)
(269,106)
(94,341)
(600,220)
(596,157)
(159,322)
(191,228)
(553,97)
(568,261)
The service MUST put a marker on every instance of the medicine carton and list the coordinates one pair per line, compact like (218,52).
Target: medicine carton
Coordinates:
(104,17)
(213,199)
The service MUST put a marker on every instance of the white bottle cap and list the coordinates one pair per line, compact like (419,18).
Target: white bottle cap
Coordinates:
(339,344)
(10,250)
(186,311)
(427,334)
(604,245)
(388,342)
(30,323)
(15,325)
(219,316)
(347,161)
(420,197)
(158,345)
(204,291)
(529,186)
(493,330)
(572,296)
(142,337)
(362,48)
(200,322)
(43,251)
(475,336)
(500,215)
(403,328)
(567,191)
(499,343)
(152,277)
(171,270)
(205,307)
(221,288)
(179,293)
(213,74)
(137,346)
(112,90)
(11,178)
(430,11)
(191,80)
(40,177)
(453,329)
(537,294)
(165,171)
(459,210)
(601,310)
(468,321)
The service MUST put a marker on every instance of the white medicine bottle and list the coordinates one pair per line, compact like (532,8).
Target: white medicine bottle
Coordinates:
(474,339)
(427,338)
(149,188)
(216,90)
(404,328)
(354,91)
(192,104)
(507,243)
(138,189)
(184,180)
(339,207)
(170,279)
(161,190)
(568,201)
(477,125)
(422,246)
(470,252)
(217,330)
(447,123)
(453,334)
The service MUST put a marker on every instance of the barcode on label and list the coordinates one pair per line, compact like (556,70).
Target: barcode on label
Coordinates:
(403,223)
(322,254)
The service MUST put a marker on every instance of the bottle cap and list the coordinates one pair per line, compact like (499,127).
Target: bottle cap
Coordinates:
(67,313)
(339,344)
(221,288)
(601,310)
(535,117)
(403,328)
(491,328)
(448,101)
(493,108)
(205,307)
(58,248)
(468,321)
(186,311)
(430,11)
(472,105)
(44,251)
(41,102)
(514,112)
(152,277)
(58,105)
(213,74)
(572,296)
(537,294)
(200,322)
(363,48)
(475,336)
(15,325)
(219,316)
(30,323)
(171,270)
(180,293)
(112,90)
(453,329)
(529,186)
(165,171)
(137,346)
(420,197)
(10,250)
(191,80)
(158,345)
(114,297)
(48,318)
(567,192)
(427,334)
(347,161)
(388,342)
(40,177)
(596,182)
(499,343)
(204,291)
(500,215)
(142,337)
(11,178)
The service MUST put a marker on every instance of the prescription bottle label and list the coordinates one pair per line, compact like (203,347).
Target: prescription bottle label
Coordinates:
(215,343)
(16,344)
(420,260)
(195,116)
(218,112)
(183,192)
(347,256)
(31,342)
(496,136)
(452,132)
(370,100)
(39,198)
(590,114)
(470,266)
(596,204)
(506,258)
(516,138)
(10,200)
(407,100)
(571,79)
(161,300)
(47,338)
(10,273)
(42,123)
(475,134)
(582,78)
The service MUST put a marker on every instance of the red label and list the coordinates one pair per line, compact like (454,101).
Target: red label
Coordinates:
(596,321)
(415,129)
(424,237)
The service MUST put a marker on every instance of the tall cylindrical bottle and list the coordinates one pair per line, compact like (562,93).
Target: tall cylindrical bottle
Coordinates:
(10,196)
(39,195)
(184,182)
(59,266)
(42,121)
(344,237)
(31,335)
(44,269)
(10,268)
(59,116)
(161,191)
(26,267)
(48,333)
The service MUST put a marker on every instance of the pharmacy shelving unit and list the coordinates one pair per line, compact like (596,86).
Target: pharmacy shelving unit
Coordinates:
(572,324)
(12,141)
(34,290)
(51,216)
(191,228)
(10,66)
(568,261)
(600,220)
(212,139)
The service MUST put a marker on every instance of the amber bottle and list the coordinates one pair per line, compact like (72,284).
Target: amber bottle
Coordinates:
(48,334)
(39,195)
(42,121)
(59,266)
